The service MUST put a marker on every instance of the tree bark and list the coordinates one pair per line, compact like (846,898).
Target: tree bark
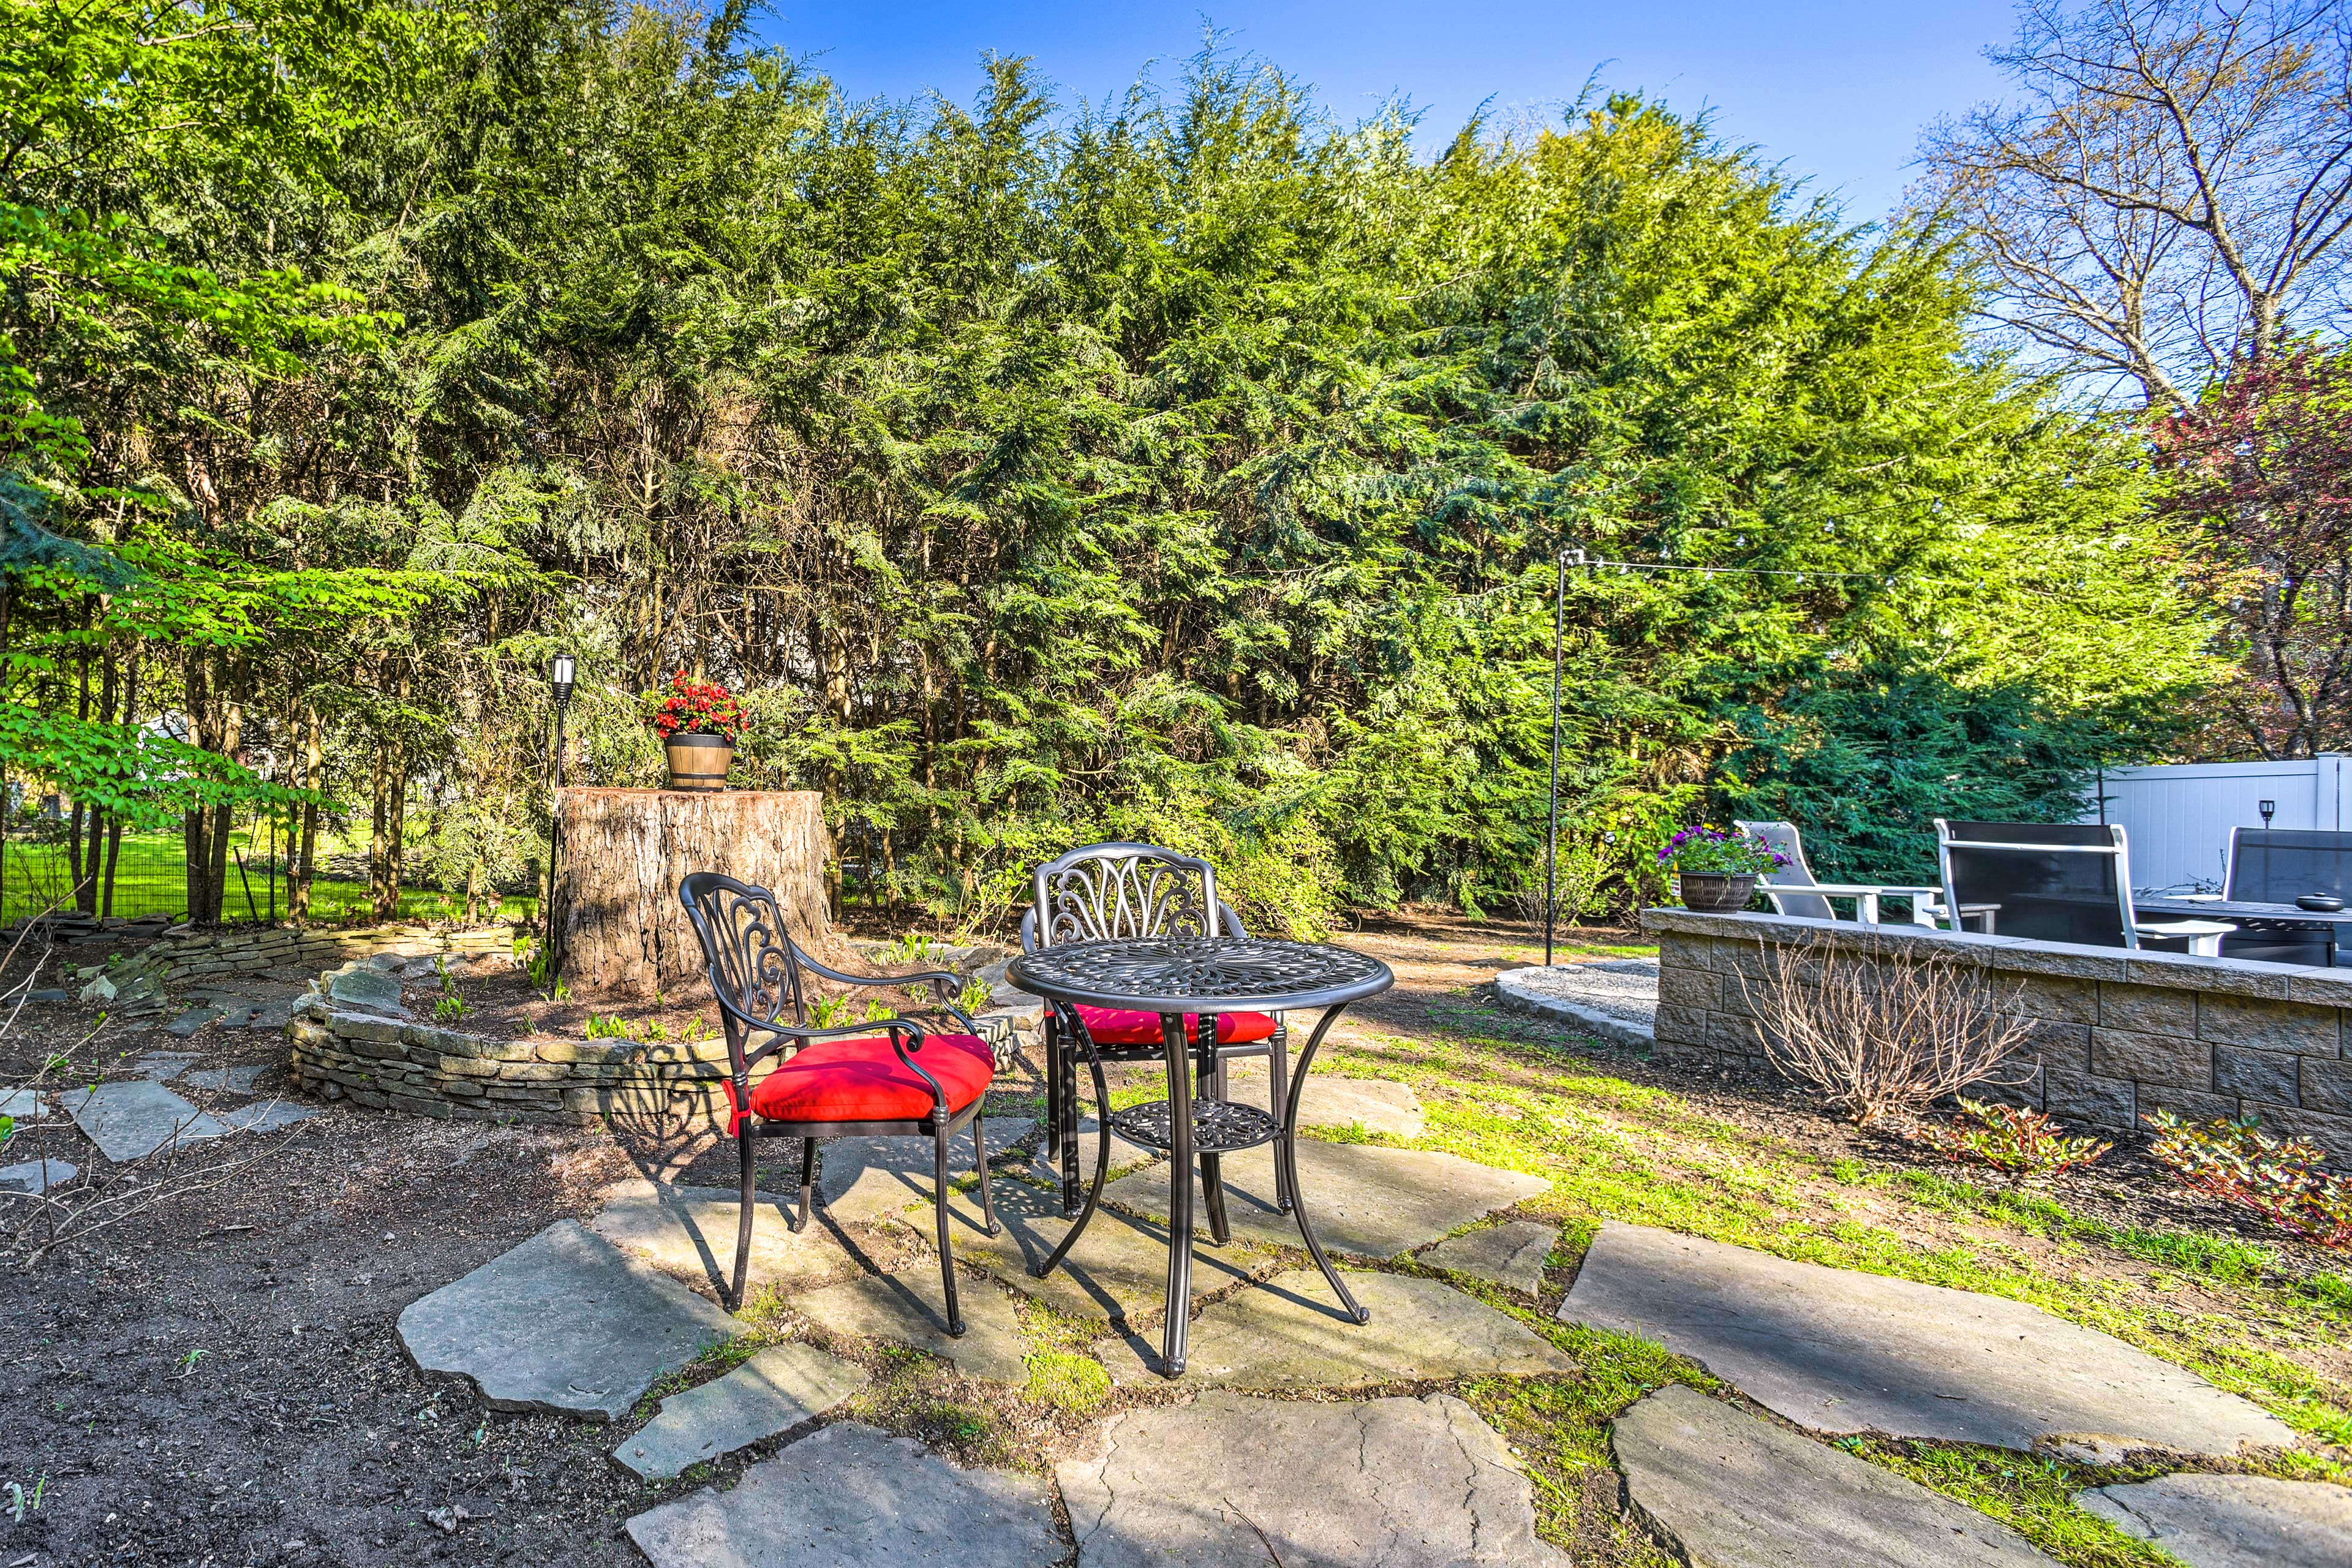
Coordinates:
(619,928)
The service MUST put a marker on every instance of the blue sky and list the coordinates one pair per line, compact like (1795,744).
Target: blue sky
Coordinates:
(1838,89)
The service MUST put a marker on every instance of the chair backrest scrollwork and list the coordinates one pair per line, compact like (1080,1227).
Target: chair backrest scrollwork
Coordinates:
(1102,891)
(755,967)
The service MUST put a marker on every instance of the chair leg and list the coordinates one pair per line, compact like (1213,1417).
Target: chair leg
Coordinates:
(940,1202)
(743,1215)
(1212,1172)
(808,1182)
(980,1152)
(1277,1072)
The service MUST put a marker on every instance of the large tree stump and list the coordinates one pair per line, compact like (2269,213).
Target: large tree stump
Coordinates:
(619,928)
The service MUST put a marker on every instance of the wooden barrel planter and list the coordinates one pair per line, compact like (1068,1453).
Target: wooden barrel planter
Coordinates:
(699,761)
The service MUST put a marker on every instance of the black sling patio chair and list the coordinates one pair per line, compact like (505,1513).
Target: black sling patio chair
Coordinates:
(1105,891)
(2278,866)
(2057,881)
(849,1080)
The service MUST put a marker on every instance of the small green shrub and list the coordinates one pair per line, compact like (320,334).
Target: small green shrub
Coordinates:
(2281,1180)
(450,1007)
(601,1028)
(974,996)
(2016,1142)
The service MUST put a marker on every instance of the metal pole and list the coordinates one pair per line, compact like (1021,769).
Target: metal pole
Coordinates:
(554,837)
(1552,831)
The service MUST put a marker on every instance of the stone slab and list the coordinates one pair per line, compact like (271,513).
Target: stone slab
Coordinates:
(867,1179)
(36,1176)
(911,1308)
(1510,1255)
(164,1065)
(690,1232)
(1374,1104)
(1228,1481)
(237,1080)
(1291,1333)
(2233,1521)
(189,1022)
(1731,1491)
(1124,1156)
(266,1117)
(366,987)
(1117,1271)
(1615,999)
(566,1323)
(1839,1351)
(1362,1199)
(271,1017)
(23,1104)
(132,1118)
(774,1392)
(852,1496)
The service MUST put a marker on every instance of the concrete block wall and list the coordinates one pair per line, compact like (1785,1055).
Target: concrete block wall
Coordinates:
(2116,1034)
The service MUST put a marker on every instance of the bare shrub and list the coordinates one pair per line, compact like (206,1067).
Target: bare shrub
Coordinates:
(1884,1036)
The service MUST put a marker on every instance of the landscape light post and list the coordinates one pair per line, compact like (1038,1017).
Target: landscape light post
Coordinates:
(560,676)
(1551,832)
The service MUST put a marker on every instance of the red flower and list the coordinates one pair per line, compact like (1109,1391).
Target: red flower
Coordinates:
(699,708)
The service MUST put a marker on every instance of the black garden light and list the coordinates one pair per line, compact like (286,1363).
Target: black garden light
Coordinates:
(2268,808)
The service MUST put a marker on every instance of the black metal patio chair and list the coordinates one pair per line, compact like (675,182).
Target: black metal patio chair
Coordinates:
(1104,891)
(2057,881)
(848,1081)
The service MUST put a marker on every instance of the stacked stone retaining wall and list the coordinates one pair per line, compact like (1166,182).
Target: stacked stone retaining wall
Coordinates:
(214,956)
(2116,1034)
(427,1070)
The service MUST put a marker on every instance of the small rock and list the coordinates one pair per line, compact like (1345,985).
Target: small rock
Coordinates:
(99,989)
(36,1176)
(49,993)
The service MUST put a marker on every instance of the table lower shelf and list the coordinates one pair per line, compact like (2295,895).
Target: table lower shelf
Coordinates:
(1219,1126)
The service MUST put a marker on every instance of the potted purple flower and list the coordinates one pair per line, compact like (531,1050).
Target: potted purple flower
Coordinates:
(1716,871)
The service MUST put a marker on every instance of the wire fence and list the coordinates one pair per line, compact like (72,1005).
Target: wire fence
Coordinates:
(150,877)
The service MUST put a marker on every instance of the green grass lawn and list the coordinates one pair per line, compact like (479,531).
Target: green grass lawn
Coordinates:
(150,876)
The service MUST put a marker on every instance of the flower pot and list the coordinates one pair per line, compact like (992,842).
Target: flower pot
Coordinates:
(699,761)
(1716,893)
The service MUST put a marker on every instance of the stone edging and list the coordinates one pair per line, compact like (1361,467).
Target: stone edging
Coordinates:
(389,1064)
(1514,995)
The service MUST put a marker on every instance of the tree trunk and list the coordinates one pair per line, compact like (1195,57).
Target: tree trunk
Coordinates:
(619,928)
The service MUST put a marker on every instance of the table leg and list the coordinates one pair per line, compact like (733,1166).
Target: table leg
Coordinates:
(1180,1195)
(1212,1087)
(1065,1069)
(1285,1150)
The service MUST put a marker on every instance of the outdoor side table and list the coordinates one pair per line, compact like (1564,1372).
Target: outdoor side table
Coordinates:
(1203,977)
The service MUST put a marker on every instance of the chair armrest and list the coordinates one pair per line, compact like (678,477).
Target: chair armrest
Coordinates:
(2184,928)
(1851,890)
(940,975)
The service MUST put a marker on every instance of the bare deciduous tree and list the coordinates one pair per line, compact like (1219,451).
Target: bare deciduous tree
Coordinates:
(1883,1035)
(2167,193)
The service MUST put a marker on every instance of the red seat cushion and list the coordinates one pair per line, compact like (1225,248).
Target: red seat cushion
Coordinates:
(1127,1026)
(863,1080)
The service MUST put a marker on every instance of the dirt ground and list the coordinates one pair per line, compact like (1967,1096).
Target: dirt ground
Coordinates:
(214,1377)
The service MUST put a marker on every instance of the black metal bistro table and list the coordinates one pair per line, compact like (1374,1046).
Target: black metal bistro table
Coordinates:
(1200,977)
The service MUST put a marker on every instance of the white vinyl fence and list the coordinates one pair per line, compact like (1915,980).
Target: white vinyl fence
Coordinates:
(2177,816)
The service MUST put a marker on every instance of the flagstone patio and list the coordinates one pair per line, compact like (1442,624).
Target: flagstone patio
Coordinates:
(1264,1459)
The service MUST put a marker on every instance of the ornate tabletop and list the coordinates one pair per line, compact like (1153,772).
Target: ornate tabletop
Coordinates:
(1199,975)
